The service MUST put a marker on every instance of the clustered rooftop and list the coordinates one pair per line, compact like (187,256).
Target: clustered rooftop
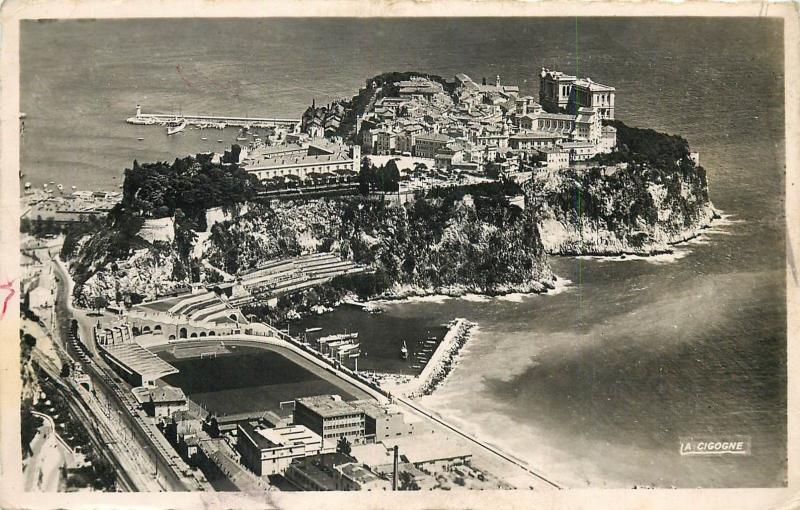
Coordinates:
(479,122)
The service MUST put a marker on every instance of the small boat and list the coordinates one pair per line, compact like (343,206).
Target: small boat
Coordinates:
(74,188)
(404,351)
(204,138)
(311,330)
(241,138)
(173,128)
(140,138)
(27,185)
(60,187)
(219,141)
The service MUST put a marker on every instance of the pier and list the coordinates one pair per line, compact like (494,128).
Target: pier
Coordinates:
(210,121)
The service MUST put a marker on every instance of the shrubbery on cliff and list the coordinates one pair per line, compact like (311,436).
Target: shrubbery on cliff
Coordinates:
(656,197)
(645,147)
(192,184)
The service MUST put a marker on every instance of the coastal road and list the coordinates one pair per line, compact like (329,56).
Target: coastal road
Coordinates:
(50,453)
(419,410)
(136,441)
(99,433)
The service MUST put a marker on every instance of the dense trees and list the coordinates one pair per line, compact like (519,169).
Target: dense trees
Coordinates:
(382,178)
(646,146)
(192,184)
(343,446)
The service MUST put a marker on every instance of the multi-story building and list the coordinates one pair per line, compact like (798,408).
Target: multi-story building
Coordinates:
(534,140)
(165,400)
(554,158)
(330,417)
(599,97)
(525,105)
(608,139)
(388,421)
(497,135)
(318,472)
(356,477)
(269,451)
(385,141)
(555,89)
(334,472)
(580,150)
(429,144)
(318,157)
(563,92)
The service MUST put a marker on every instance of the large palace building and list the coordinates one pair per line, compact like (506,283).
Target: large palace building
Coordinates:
(562,92)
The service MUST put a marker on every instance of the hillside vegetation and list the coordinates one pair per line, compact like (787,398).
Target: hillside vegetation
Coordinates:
(640,199)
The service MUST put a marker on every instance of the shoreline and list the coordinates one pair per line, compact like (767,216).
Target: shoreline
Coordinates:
(684,238)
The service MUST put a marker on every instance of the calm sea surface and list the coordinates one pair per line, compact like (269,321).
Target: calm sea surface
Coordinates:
(593,385)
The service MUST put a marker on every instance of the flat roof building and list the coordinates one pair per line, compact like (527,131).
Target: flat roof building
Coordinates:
(269,451)
(316,473)
(356,477)
(330,417)
(387,421)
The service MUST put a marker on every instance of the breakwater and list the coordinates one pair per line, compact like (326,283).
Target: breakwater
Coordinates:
(441,362)
(211,121)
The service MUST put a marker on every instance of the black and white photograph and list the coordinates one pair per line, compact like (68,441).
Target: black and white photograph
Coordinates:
(269,255)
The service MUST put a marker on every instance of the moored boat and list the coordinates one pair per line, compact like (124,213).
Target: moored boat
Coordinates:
(176,126)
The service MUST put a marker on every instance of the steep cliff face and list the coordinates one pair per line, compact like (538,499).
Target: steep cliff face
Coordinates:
(149,272)
(620,209)
(436,245)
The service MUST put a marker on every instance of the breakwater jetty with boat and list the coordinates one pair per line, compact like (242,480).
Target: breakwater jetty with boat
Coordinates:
(210,121)
(440,363)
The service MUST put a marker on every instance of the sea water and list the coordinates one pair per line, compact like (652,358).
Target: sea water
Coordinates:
(594,385)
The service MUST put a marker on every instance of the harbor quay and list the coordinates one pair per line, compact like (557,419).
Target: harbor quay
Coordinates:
(211,121)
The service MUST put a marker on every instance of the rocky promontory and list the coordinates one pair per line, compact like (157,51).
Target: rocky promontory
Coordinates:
(641,199)
(489,237)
